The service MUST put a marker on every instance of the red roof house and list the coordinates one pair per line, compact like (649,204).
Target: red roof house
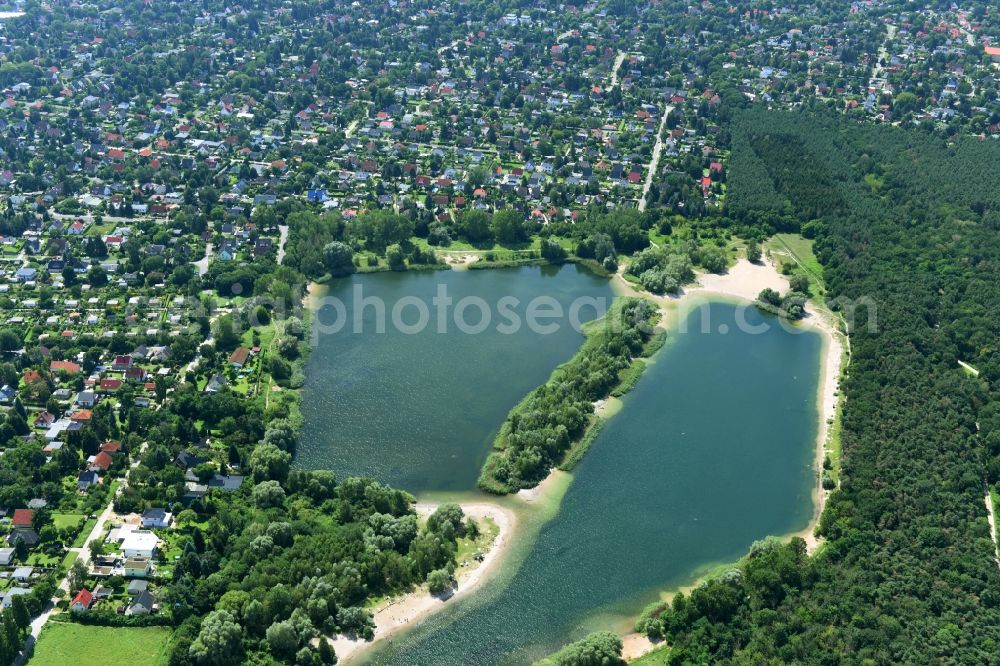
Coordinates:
(111,384)
(82,601)
(23,517)
(68,367)
(102,461)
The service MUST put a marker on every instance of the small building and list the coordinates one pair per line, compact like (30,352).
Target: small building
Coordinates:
(157,517)
(82,601)
(137,567)
(141,604)
(23,518)
(101,462)
(6,600)
(6,556)
(28,536)
(137,586)
(22,574)
(239,357)
(86,398)
(86,480)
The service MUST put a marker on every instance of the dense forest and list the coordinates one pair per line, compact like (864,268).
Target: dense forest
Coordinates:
(906,226)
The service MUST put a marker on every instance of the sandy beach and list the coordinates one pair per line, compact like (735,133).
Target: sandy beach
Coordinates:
(398,613)
(463,259)
(829,393)
(542,489)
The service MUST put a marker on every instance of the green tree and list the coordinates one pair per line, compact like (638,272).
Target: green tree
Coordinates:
(475,226)
(339,258)
(508,227)
(394,255)
(602,648)
(440,581)
(267,461)
(219,643)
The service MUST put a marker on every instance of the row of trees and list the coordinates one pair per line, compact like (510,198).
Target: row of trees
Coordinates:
(542,427)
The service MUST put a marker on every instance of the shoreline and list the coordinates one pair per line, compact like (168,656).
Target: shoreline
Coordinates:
(396,614)
(744,281)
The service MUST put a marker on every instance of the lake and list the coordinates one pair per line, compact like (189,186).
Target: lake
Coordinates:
(419,409)
(712,450)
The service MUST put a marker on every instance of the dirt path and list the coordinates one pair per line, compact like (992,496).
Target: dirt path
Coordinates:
(282,239)
(991,516)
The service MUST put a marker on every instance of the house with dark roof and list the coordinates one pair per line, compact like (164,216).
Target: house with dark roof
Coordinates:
(141,604)
(86,480)
(227,484)
(156,517)
(28,536)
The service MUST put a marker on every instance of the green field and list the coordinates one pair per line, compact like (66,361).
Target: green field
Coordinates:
(655,658)
(67,643)
(64,520)
(793,248)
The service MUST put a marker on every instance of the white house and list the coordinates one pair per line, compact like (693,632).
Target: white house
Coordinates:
(139,543)
(156,518)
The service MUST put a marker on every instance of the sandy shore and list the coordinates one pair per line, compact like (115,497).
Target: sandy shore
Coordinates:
(459,259)
(542,489)
(829,394)
(636,645)
(397,613)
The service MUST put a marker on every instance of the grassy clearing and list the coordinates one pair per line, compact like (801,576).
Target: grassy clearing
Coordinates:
(800,251)
(66,520)
(657,657)
(67,643)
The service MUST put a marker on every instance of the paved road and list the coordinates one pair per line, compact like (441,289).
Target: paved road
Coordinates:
(655,162)
(614,70)
(202,264)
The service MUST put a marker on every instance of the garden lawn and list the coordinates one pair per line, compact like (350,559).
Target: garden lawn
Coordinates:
(68,643)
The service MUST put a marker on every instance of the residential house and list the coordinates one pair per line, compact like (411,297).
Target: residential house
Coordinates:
(239,357)
(28,536)
(6,556)
(22,518)
(6,600)
(101,462)
(141,604)
(82,602)
(86,480)
(157,517)
(139,543)
(137,567)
